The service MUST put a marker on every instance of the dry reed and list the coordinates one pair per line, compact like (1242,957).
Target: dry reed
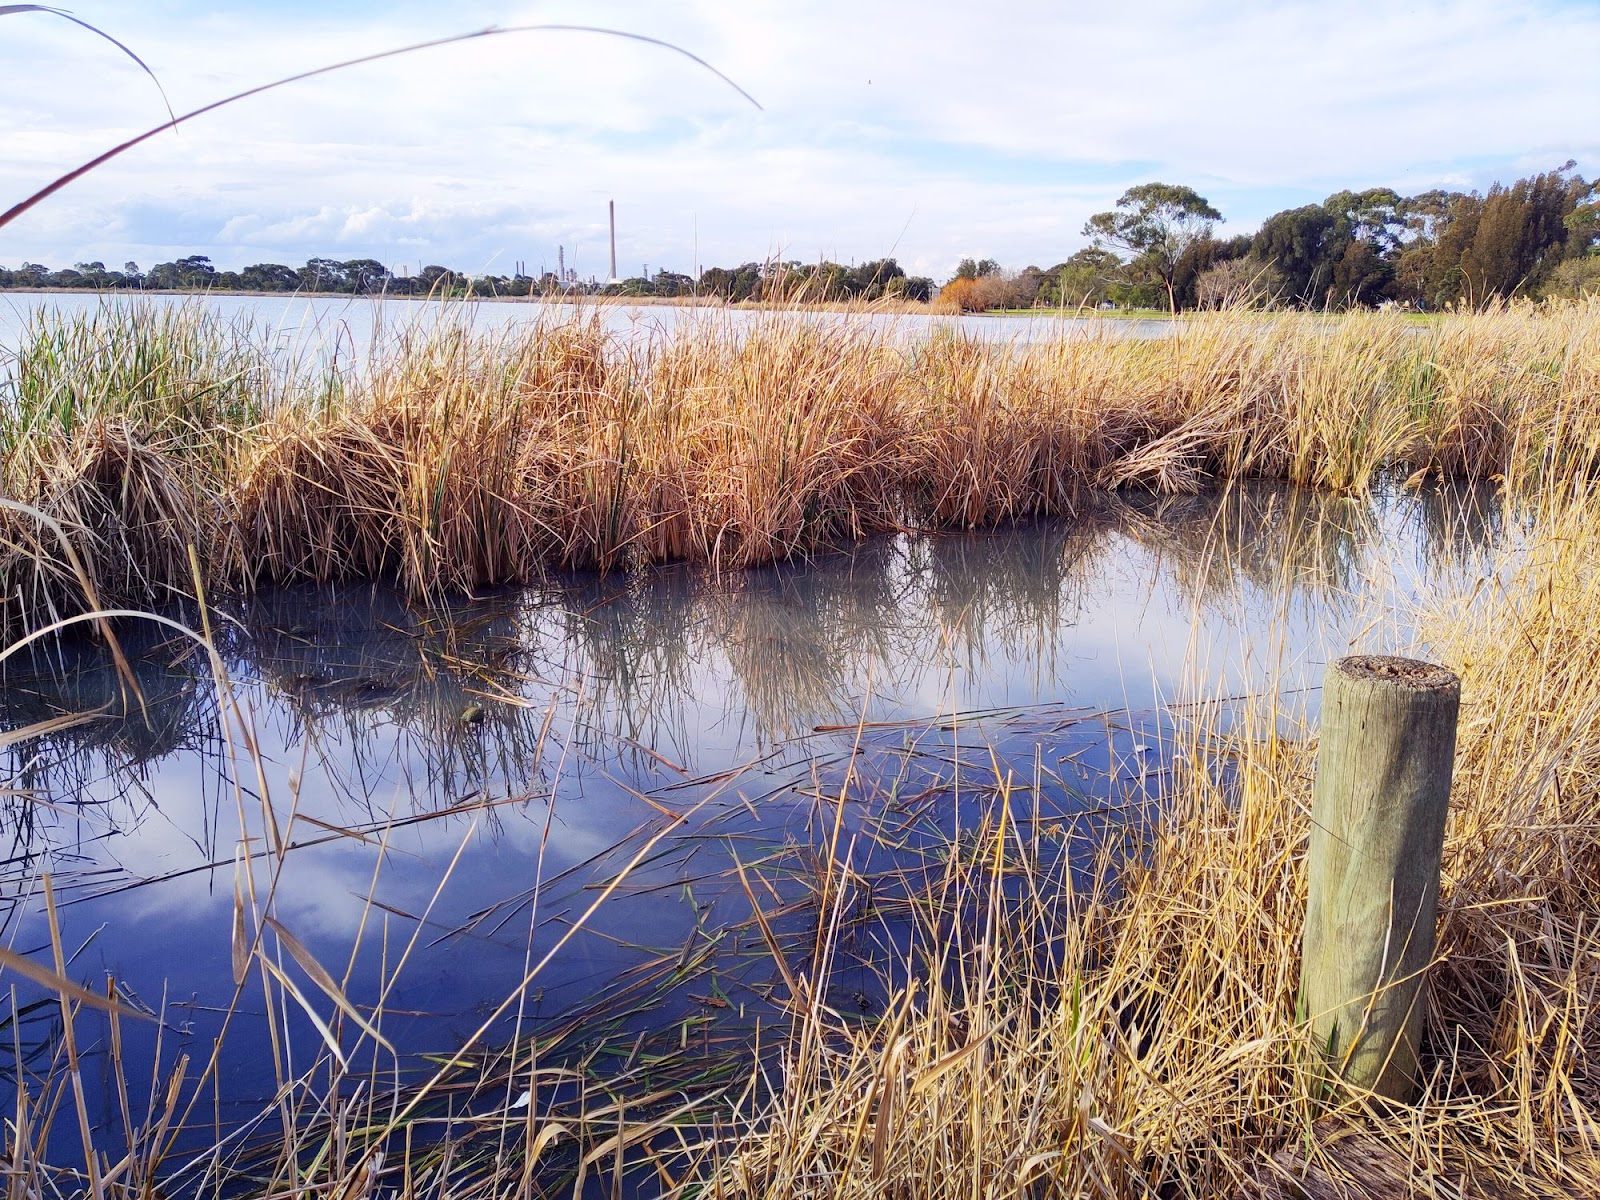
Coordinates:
(1144,1040)
(458,458)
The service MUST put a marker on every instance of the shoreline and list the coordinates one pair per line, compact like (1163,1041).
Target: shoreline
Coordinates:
(843,306)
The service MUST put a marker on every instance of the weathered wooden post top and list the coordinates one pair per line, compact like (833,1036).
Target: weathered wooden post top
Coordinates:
(1377,836)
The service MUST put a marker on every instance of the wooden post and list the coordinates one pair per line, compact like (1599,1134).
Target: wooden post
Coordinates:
(1377,835)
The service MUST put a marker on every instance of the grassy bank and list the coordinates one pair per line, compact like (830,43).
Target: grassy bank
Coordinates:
(457,458)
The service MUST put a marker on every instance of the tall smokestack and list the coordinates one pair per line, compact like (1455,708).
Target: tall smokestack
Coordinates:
(613,205)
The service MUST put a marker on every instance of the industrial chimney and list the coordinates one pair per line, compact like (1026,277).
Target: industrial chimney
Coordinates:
(613,205)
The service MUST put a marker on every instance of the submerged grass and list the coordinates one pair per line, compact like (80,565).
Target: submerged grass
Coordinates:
(456,458)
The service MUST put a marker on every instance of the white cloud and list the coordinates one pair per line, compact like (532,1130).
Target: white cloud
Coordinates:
(954,128)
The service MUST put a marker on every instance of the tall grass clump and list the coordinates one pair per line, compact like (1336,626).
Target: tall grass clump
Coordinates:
(456,457)
(119,429)
(769,440)
(449,466)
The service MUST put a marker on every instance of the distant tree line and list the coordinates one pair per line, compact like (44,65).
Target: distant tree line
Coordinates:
(795,281)
(1158,248)
(1539,236)
(881,278)
(356,276)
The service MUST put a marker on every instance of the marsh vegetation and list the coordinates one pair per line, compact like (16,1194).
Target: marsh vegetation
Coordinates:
(175,451)
(916,900)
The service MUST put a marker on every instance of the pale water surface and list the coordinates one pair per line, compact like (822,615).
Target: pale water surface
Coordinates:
(318,325)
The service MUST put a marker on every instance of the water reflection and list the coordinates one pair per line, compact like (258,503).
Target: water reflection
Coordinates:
(353,673)
(471,777)
(678,670)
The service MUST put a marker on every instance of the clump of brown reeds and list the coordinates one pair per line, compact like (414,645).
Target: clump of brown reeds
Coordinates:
(118,430)
(458,457)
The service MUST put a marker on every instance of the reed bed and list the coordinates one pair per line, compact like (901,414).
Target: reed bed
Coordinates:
(456,458)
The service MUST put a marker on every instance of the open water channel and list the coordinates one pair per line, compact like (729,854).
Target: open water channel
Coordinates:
(348,326)
(574,796)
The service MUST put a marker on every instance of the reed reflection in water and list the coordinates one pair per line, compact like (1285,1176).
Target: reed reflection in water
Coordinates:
(687,663)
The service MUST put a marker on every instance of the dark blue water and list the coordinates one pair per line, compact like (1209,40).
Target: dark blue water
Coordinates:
(544,819)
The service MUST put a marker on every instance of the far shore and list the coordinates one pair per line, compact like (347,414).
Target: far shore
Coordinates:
(913,308)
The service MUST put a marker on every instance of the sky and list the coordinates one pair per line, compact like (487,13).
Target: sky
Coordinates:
(927,130)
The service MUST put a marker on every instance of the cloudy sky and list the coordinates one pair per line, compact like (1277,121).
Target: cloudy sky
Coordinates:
(926,129)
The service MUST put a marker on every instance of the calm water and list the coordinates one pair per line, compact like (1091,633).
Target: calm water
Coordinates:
(454,787)
(313,325)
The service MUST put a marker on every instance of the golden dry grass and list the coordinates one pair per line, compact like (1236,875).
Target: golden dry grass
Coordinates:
(460,458)
(1146,1043)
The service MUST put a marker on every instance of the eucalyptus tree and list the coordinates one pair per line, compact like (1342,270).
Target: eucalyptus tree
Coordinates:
(1156,223)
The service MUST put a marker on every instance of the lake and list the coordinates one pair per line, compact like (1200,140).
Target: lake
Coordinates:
(350,325)
(575,796)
